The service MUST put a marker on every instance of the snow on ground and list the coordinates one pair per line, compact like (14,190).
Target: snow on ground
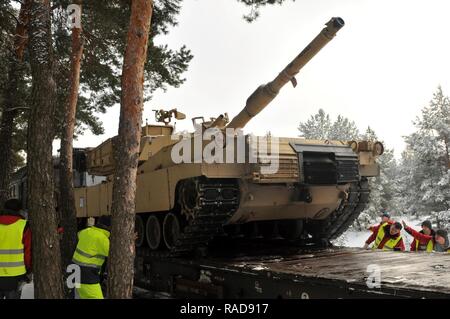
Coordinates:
(28,291)
(353,238)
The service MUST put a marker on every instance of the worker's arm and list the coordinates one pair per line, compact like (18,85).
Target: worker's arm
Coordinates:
(104,271)
(104,249)
(26,240)
(400,245)
(373,235)
(417,235)
(413,245)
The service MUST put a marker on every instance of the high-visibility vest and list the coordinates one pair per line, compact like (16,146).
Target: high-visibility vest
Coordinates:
(390,244)
(12,262)
(92,248)
(429,247)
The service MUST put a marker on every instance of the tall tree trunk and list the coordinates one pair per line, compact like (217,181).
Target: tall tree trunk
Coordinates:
(122,252)
(46,249)
(67,200)
(10,104)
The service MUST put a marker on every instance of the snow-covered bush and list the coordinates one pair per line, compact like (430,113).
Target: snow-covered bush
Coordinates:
(441,219)
(341,240)
(363,222)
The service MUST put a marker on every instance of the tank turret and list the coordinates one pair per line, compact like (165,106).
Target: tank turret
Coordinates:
(100,160)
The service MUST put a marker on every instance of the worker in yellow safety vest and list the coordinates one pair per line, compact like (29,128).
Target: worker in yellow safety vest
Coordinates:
(90,255)
(15,250)
(389,237)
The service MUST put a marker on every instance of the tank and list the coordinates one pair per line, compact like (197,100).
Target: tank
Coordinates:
(217,182)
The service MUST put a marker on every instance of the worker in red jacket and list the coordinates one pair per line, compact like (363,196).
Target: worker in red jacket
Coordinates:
(387,237)
(424,239)
(385,218)
(15,250)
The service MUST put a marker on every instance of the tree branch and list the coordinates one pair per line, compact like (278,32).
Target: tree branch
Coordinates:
(16,108)
(12,15)
(55,6)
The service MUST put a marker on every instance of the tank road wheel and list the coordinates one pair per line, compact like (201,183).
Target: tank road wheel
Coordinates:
(139,229)
(269,229)
(251,230)
(290,229)
(171,230)
(153,232)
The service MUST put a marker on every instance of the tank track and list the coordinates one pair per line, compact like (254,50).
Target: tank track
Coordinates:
(350,208)
(216,202)
(218,199)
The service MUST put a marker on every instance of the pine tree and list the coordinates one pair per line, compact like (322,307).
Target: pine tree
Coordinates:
(67,198)
(11,95)
(383,188)
(343,129)
(436,121)
(121,265)
(46,247)
(425,163)
(102,44)
(255,6)
(318,126)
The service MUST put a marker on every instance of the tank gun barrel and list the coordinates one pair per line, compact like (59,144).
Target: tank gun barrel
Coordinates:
(266,93)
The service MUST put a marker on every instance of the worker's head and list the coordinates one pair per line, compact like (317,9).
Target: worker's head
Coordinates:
(385,216)
(395,228)
(104,222)
(441,237)
(13,205)
(426,227)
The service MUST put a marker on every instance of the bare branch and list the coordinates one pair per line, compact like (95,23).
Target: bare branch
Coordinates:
(55,6)
(12,15)
(17,108)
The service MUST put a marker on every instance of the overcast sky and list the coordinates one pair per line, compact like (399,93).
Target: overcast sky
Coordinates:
(379,71)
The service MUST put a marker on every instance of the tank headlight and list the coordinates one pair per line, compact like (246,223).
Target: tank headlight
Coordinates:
(378,148)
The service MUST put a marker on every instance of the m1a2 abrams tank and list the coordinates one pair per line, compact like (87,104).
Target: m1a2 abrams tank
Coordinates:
(184,199)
